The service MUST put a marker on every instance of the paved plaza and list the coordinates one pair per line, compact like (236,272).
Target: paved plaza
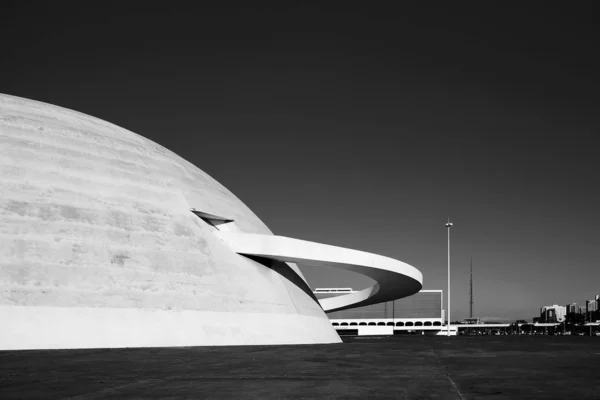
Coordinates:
(501,367)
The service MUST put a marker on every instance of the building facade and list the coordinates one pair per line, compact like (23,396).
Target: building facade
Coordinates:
(573,308)
(591,305)
(553,313)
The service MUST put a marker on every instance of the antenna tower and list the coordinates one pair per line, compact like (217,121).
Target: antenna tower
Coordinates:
(471,297)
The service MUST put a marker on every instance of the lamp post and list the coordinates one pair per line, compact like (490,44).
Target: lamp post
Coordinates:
(448,225)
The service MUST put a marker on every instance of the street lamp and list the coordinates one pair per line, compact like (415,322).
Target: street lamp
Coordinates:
(448,225)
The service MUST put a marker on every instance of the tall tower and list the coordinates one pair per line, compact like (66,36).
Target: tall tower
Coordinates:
(448,225)
(471,294)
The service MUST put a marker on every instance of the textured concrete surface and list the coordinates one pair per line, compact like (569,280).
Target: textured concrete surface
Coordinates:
(94,216)
(384,368)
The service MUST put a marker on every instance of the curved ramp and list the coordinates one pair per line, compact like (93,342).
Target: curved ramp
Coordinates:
(394,279)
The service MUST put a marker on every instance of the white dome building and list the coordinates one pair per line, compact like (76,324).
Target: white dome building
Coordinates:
(110,240)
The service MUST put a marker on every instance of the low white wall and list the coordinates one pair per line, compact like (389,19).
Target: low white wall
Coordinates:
(444,331)
(70,328)
(375,330)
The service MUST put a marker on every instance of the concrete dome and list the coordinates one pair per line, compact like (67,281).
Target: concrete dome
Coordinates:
(100,248)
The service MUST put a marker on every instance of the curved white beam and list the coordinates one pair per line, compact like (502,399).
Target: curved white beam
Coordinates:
(394,279)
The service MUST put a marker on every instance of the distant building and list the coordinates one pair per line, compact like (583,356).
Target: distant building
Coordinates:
(553,313)
(573,308)
(591,305)
(592,308)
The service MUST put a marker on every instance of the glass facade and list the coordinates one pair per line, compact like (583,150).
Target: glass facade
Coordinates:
(421,305)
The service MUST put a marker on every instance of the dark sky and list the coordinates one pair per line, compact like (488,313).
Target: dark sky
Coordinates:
(359,126)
